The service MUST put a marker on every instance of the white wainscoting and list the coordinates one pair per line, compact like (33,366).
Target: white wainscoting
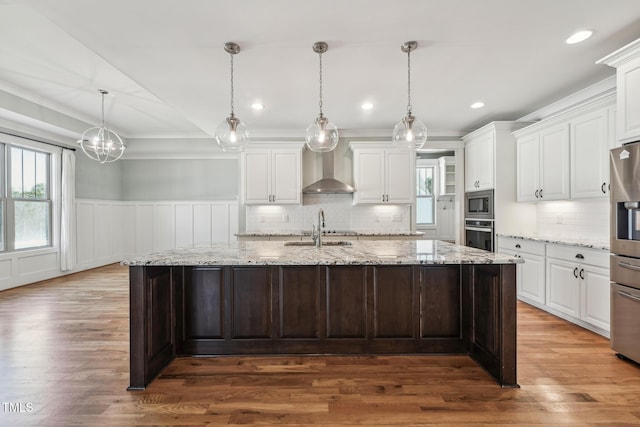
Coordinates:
(109,231)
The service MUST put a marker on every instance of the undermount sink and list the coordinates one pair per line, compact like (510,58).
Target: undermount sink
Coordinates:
(311,243)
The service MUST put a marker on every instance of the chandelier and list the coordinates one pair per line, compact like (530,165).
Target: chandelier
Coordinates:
(101,143)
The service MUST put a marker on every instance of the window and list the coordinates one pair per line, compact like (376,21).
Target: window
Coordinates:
(424,195)
(26,222)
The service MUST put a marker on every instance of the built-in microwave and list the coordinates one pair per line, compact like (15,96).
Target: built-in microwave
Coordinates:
(479,205)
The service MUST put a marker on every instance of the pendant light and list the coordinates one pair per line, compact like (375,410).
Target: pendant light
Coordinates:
(409,132)
(322,135)
(231,134)
(101,143)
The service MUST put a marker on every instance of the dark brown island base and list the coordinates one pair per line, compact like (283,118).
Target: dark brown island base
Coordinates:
(371,297)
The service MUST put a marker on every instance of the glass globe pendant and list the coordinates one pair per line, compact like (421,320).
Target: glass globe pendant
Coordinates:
(101,143)
(409,132)
(231,134)
(322,135)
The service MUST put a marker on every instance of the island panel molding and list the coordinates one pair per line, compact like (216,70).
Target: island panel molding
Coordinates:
(457,300)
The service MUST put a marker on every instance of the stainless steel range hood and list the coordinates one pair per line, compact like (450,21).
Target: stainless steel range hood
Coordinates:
(328,184)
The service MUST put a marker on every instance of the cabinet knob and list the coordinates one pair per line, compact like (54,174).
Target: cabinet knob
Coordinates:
(582,273)
(575,272)
(541,193)
(602,188)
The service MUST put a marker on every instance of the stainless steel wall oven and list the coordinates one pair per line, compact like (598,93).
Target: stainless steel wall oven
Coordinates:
(479,217)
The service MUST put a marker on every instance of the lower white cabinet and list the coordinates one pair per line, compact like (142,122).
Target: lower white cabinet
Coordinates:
(530,274)
(571,282)
(578,285)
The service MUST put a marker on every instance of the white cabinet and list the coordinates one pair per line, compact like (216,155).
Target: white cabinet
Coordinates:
(627,62)
(530,274)
(479,160)
(578,285)
(271,176)
(543,164)
(383,175)
(590,140)
(447,168)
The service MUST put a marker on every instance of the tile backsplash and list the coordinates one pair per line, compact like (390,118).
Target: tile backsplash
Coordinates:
(339,212)
(574,218)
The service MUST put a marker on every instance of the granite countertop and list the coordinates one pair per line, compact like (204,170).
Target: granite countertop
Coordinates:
(329,233)
(572,241)
(387,252)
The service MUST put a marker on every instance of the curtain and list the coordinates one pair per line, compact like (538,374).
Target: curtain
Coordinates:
(68,221)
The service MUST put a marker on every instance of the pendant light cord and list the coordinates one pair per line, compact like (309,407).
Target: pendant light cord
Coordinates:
(409,81)
(320,103)
(103,110)
(231,55)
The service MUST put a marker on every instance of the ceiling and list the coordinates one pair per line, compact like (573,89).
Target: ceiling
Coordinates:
(168,75)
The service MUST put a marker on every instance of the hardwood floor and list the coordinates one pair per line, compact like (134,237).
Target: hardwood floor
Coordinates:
(64,360)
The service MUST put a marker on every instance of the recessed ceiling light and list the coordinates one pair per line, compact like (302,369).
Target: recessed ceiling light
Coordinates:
(257,106)
(478,104)
(579,36)
(366,106)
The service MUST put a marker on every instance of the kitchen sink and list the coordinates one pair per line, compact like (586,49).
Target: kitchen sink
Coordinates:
(310,243)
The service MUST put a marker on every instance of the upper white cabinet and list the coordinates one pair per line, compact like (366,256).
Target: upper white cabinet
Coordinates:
(543,164)
(479,160)
(383,174)
(627,63)
(567,155)
(271,176)
(589,155)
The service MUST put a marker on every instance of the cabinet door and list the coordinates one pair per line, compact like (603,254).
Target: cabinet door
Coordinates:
(479,163)
(628,101)
(369,176)
(590,155)
(400,174)
(286,179)
(596,296)
(528,168)
(532,278)
(257,177)
(470,162)
(554,163)
(485,161)
(563,287)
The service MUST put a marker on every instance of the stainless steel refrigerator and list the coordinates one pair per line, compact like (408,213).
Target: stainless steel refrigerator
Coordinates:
(625,251)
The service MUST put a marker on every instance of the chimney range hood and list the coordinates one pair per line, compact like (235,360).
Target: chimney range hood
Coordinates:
(328,184)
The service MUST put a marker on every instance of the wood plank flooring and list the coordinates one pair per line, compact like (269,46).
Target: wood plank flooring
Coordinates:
(64,361)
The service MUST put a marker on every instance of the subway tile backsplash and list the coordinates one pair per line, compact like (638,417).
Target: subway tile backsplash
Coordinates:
(340,214)
(587,218)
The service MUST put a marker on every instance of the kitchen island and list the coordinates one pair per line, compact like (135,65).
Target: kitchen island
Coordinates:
(360,297)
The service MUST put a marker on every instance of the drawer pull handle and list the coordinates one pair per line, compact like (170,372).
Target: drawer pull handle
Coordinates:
(537,197)
(602,188)
(518,246)
(628,266)
(575,272)
(628,295)
(580,256)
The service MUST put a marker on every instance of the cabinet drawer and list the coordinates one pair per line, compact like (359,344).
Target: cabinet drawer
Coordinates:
(599,258)
(521,245)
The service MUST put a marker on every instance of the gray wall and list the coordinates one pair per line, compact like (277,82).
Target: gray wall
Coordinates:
(97,181)
(180,179)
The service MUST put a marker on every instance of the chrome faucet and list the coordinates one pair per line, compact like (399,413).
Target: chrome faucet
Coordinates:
(316,232)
